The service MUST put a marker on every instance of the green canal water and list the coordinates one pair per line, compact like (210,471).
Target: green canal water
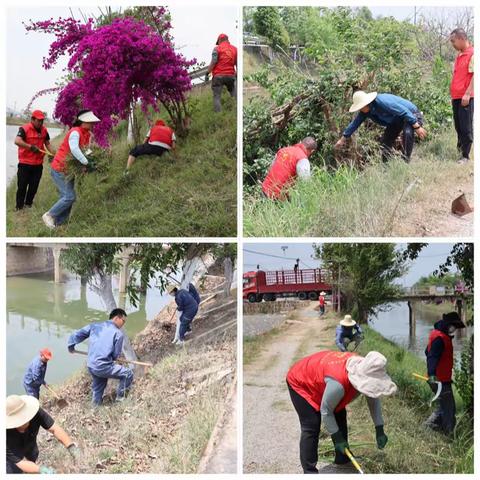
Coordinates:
(393,325)
(42,314)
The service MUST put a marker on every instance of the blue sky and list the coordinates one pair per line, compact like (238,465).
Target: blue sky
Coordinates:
(428,260)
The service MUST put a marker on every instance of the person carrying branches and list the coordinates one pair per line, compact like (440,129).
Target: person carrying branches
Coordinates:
(395,113)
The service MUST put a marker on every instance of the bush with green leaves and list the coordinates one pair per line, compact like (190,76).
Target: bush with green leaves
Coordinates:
(347,50)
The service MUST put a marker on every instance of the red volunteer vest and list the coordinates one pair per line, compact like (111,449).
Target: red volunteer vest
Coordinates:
(307,377)
(445,365)
(227,60)
(33,137)
(60,160)
(461,76)
(283,171)
(162,134)
(321,301)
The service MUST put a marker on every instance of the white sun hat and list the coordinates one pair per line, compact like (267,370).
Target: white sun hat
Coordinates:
(88,117)
(322,294)
(361,99)
(369,376)
(20,410)
(347,321)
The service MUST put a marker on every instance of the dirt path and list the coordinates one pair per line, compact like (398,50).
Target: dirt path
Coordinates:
(428,212)
(271,429)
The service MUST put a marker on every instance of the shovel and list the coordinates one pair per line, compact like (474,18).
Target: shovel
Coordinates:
(348,453)
(439,386)
(135,362)
(61,402)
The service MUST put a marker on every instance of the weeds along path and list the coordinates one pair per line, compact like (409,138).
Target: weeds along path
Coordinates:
(271,429)
(166,423)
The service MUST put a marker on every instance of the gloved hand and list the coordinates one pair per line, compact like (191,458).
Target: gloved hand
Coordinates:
(74,451)
(71,348)
(207,77)
(339,442)
(45,470)
(432,383)
(382,439)
(34,149)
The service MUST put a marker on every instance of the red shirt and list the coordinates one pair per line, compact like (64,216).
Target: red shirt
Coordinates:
(227,60)
(461,74)
(307,377)
(321,301)
(283,171)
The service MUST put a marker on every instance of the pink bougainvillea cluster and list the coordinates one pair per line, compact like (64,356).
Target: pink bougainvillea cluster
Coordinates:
(112,67)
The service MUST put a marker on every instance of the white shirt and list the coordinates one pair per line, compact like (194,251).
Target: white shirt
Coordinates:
(303,169)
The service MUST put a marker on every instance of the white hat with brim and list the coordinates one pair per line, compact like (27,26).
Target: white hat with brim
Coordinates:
(20,410)
(322,294)
(88,117)
(368,375)
(347,321)
(361,99)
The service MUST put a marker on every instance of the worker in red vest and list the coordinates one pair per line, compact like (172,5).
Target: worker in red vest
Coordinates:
(439,354)
(30,140)
(461,91)
(290,163)
(321,303)
(74,144)
(322,385)
(223,69)
(159,139)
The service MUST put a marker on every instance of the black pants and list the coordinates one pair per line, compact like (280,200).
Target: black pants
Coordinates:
(463,120)
(147,149)
(443,418)
(218,82)
(310,421)
(408,138)
(28,179)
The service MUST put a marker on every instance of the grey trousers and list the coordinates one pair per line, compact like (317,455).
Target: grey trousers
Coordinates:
(443,418)
(218,83)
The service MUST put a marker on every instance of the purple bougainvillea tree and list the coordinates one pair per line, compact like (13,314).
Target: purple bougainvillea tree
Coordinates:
(115,66)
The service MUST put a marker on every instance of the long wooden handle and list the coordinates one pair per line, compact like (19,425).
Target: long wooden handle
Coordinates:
(135,362)
(421,377)
(352,459)
(51,390)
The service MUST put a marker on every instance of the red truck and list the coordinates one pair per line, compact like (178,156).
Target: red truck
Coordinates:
(268,286)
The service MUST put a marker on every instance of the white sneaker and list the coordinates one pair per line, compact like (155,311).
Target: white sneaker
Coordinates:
(48,220)
(463,160)
(180,343)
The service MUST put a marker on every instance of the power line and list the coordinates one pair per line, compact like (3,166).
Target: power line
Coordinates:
(275,256)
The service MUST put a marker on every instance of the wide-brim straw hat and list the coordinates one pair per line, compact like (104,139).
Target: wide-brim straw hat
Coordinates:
(20,410)
(347,321)
(361,99)
(88,117)
(368,375)
(322,294)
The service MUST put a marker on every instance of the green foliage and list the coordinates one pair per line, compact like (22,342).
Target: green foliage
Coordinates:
(448,280)
(346,50)
(89,259)
(364,273)
(192,194)
(268,23)
(464,377)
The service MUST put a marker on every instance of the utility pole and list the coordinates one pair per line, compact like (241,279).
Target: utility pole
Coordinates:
(338,289)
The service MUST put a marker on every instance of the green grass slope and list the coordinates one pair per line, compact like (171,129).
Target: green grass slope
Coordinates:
(192,195)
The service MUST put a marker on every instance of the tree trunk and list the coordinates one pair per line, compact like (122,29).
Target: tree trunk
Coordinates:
(228,272)
(102,285)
